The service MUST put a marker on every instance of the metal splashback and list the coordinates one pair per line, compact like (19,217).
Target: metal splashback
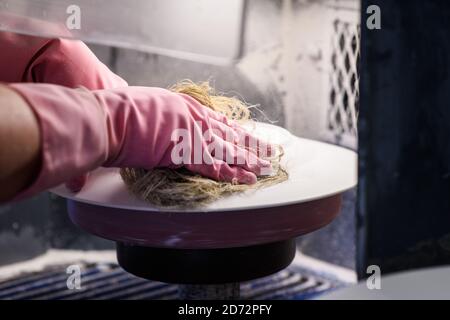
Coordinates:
(207,31)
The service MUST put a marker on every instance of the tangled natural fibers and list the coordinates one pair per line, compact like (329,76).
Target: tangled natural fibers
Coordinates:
(181,188)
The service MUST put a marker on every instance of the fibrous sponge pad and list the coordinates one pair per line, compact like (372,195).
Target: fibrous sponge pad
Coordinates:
(179,187)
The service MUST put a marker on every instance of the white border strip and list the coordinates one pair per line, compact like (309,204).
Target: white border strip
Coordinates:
(340,273)
(56,257)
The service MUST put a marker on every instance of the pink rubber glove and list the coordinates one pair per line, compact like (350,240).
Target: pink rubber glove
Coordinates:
(127,127)
(64,62)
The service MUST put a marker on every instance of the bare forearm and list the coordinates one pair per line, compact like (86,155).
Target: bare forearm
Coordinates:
(19,144)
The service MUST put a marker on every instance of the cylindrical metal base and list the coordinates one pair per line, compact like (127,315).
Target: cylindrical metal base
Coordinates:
(206,266)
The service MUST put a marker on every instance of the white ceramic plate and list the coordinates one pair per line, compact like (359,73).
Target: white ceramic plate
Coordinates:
(316,170)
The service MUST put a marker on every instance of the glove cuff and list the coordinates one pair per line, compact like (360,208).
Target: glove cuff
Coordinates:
(72,131)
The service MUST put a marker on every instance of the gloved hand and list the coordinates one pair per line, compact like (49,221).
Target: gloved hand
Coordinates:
(64,62)
(130,127)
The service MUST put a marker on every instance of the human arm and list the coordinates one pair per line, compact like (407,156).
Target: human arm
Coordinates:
(81,130)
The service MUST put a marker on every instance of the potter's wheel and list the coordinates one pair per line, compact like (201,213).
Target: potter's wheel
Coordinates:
(260,222)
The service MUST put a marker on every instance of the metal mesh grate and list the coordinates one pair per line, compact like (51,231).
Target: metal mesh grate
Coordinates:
(344,78)
(109,281)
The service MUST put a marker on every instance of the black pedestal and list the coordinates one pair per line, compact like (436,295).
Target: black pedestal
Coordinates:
(206,266)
